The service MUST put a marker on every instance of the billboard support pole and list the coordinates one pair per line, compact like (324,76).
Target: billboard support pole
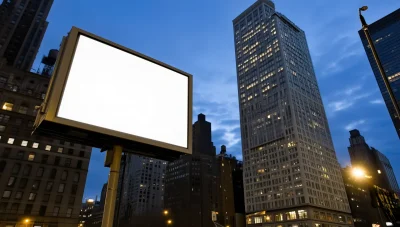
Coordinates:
(111,196)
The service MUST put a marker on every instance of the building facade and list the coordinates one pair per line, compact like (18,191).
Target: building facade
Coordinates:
(191,182)
(41,179)
(375,163)
(386,36)
(291,173)
(22,27)
(142,191)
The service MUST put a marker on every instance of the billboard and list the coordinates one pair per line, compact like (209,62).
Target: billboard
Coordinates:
(110,95)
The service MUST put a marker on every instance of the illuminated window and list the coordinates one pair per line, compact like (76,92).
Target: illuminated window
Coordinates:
(23,109)
(257,220)
(10,141)
(32,196)
(278,217)
(69,212)
(31,157)
(6,194)
(60,150)
(48,148)
(267,218)
(2,128)
(24,143)
(379,171)
(61,188)
(302,214)
(8,106)
(248,219)
(35,145)
(291,215)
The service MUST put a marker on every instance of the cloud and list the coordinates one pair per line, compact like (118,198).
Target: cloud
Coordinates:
(347,98)
(354,125)
(377,101)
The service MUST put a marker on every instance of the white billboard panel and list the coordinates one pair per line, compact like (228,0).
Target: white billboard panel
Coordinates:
(116,90)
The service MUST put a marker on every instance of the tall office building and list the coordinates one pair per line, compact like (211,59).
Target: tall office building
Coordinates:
(22,27)
(142,191)
(291,173)
(372,161)
(41,179)
(386,36)
(191,181)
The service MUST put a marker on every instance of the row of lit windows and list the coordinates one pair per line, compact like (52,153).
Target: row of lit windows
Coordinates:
(291,215)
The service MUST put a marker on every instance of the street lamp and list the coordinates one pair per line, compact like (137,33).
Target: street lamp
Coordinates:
(358,173)
(378,61)
(169,222)
(165,212)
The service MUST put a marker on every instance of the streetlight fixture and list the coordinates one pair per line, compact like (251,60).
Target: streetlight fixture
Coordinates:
(378,61)
(26,220)
(169,222)
(358,173)
(165,212)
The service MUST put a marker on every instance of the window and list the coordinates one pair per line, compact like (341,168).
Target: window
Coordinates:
(49,186)
(43,95)
(20,155)
(46,197)
(23,109)
(14,208)
(27,170)
(57,161)
(35,185)
(291,215)
(35,145)
(79,164)
(6,152)
(11,181)
(18,195)
(69,212)
(10,141)
(31,156)
(32,196)
(42,210)
(60,150)
(22,183)
(24,143)
(257,220)
(18,121)
(61,188)
(45,157)
(28,209)
(3,206)
(71,151)
(2,128)
(248,221)
(64,175)
(71,200)
(58,198)
(16,168)
(2,165)
(74,188)
(6,194)
(267,218)
(39,172)
(48,148)
(81,153)
(55,211)
(302,214)
(8,106)
(76,177)
(53,173)
(278,217)
(67,162)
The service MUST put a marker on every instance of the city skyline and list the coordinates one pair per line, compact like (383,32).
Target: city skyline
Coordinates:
(202,44)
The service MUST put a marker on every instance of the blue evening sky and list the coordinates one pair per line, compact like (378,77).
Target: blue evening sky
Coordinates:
(197,37)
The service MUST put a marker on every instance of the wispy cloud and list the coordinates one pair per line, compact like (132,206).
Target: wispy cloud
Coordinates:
(346,98)
(377,101)
(354,125)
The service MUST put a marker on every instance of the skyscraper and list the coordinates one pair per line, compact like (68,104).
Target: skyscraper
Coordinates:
(291,173)
(41,178)
(142,191)
(22,27)
(372,161)
(386,35)
(191,181)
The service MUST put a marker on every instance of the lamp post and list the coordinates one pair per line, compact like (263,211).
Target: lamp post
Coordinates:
(378,61)
(26,222)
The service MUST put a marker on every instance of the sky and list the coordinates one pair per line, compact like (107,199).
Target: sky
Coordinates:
(197,37)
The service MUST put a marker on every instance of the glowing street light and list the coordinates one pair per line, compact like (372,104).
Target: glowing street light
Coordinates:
(26,220)
(169,222)
(165,212)
(358,173)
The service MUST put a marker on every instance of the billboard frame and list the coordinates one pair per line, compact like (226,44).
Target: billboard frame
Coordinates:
(47,117)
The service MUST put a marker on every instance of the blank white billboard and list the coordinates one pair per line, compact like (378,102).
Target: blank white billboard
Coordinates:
(113,89)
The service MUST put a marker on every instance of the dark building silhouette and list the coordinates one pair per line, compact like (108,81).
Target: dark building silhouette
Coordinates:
(41,178)
(191,182)
(230,193)
(359,195)
(376,164)
(22,27)
(385,33)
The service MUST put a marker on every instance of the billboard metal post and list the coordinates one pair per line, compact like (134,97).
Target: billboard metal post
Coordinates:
(111,196)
